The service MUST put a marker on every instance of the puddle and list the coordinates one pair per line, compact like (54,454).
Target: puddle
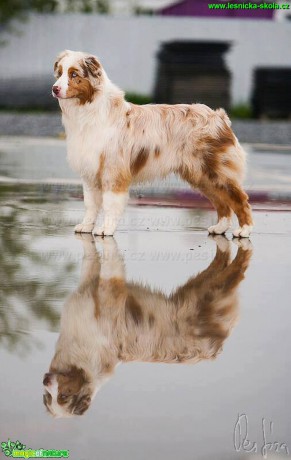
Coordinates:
(145,407)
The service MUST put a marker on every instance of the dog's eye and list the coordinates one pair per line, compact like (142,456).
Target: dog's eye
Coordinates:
(63,397)
(74,75)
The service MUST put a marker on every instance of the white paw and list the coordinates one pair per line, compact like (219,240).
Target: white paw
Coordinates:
(83,228)
(103,231)
(221,227)
(243,232)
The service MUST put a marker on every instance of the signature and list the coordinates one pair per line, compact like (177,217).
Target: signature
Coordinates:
(242,442)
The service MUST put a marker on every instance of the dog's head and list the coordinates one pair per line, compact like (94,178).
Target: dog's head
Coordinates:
(78,76)
(67,393)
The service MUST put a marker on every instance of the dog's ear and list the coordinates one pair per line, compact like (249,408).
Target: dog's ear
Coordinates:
(82,405)
(71,381)
(93,66)
(59,57)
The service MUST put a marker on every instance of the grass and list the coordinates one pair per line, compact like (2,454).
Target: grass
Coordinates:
(241,111)
(137,98)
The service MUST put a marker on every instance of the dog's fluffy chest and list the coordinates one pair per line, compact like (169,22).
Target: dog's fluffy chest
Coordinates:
(85,144)
(83,153)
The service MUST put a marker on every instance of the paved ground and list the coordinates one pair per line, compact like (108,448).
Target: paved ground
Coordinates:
(43,161)
(49,124)
(146,409)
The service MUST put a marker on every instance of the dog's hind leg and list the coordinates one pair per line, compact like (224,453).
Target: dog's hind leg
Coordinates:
(204,279)
(242,208)
(223,210)
(235,198)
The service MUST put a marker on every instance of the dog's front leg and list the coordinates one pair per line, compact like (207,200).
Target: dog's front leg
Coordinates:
(113,207)
(92,201)
(90,269)
(112,264)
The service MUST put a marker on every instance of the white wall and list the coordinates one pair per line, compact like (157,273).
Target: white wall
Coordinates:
(127,45)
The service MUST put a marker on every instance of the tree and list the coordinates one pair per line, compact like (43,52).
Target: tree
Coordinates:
(17,9)
(88,6)
(103,6)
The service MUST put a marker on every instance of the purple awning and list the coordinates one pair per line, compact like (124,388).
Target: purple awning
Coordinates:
(200,8)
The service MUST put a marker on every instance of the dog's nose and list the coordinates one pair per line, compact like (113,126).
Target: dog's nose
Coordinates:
(47,379)
(56,89)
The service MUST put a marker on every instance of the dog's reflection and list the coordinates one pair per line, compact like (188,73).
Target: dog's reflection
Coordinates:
(108,320)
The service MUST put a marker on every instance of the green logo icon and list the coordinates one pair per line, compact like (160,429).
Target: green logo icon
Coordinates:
(18,450)
(8,447)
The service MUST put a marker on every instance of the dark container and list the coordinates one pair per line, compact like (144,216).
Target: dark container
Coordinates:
(271,95)
(190,71)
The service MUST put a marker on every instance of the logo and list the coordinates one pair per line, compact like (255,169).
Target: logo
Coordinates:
(18,450)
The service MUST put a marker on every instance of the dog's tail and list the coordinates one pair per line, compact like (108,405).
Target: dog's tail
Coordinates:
(222,114)
(236,153)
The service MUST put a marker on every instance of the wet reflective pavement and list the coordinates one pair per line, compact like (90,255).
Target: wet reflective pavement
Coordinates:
(191,357)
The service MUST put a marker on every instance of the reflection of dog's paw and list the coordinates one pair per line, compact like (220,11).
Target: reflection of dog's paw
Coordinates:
(98,239)
(85,237)
(221,227)
(243,232)
(107,248)
(103,231)
(243,243)
(222,242)
(84,228)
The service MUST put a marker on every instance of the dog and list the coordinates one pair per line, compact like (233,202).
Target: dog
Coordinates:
(108,321)
(112,143)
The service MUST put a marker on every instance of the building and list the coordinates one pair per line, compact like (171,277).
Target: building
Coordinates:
(219,8)
(114,7)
